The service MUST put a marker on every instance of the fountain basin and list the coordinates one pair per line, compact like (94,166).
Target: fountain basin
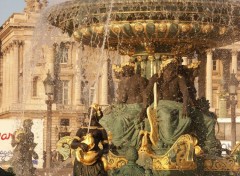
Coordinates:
(135,26)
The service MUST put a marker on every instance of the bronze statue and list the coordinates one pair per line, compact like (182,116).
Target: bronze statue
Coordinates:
(89,160)
(6,172)
(190,72)
(170,86)
(124,114)
(131,86)
(23,141)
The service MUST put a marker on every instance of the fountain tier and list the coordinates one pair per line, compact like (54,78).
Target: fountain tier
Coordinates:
(135,26)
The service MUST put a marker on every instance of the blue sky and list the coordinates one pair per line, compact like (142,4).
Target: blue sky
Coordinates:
(8,7)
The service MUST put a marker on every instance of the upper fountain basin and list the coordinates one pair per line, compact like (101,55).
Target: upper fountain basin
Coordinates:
(136,26)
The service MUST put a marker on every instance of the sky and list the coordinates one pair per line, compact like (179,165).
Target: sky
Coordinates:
(8,7)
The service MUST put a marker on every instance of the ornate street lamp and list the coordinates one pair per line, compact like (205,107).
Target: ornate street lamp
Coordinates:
(49,90)
(233,84)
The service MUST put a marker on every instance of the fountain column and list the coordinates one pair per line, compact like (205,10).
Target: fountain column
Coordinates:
(209,66)
(104,91)
(234,61)
(185,61)
(15,61)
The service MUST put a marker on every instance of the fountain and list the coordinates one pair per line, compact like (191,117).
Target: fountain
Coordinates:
(158,32)
(176,27)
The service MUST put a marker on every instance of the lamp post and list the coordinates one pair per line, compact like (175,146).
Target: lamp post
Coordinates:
(233,84)
(49,89)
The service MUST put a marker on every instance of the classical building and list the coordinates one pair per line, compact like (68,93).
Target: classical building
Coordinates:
(23,68)
(26,58)
(28,52)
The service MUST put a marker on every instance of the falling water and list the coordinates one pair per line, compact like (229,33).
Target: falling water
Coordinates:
(102,58)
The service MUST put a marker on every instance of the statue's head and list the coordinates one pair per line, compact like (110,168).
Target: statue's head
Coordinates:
(128,69)
(97,113)
(170,69)
(118,71)
(203,104)
(27,123)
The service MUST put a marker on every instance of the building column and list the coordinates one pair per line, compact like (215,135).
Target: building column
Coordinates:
(104,92)
(7,80)
(234,61)
(20,71)
(78,76)
(209,66)
(4,80)
(27,70)
(50,58)
(196,82)
(1,80)
(15,69)
(10,72)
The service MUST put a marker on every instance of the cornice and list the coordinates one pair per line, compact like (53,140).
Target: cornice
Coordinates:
(234,52)
(11,45)
(209,52)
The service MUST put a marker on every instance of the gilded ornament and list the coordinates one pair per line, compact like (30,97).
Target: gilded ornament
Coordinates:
(99,30)
(162,27)
(222,164)
(222,30)
(116,29)
(138,27)
(85,32)
(77,35)
(194,65)
(183,150)
(145,146)
(139,58)
(185,27)
(114,161)
(152,117)
(206,28)
(63,146)
(19,132)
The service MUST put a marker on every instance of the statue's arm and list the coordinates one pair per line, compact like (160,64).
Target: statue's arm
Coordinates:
(148,95)
(122,93)
(184,90)
(148,92)
(105,142)
(77,143)
(13,142)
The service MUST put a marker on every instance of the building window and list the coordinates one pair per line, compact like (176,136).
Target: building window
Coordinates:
(91,95)
(34,86)
(215,65)
(64,97)
(64,122)
(238,64)
(63,53)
